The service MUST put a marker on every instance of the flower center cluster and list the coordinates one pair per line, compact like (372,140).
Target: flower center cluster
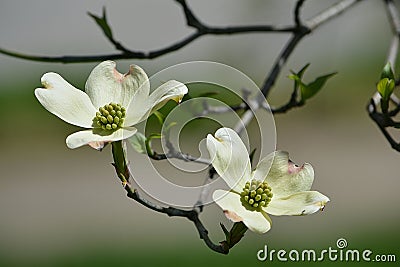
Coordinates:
(110,117)
(256,194)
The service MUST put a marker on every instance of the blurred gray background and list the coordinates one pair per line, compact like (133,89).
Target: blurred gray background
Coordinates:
(61,207)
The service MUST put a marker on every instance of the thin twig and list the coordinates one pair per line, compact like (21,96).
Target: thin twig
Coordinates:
(393,15)
(191,21)
(396,101)
(205,190)
(282,58)
(383,121)
(178,155)
(102,22)
(207,109)
(252,106)
(329,14)
(393,50)
(299,5)
(394,20)
(292,103)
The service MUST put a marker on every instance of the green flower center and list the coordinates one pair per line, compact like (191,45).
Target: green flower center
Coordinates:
(110,117)
(256,195)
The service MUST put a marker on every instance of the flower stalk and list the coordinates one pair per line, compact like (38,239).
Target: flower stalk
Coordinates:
(120,164)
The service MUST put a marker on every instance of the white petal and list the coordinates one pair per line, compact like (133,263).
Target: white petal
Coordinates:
(285,177)
(263,167)
(301,203)
(229,157)
(85,137)
(258,222)
(105,84)
(142,106)
(65,101)
(171,90)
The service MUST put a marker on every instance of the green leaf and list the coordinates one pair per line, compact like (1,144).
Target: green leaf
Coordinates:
(312,88)
(297,81)
(299,75)
(385,88)
(234,235)
(301,72)
(296,77)
(102,22)
(308,90)
(138,142)
(226,232)
(387,72)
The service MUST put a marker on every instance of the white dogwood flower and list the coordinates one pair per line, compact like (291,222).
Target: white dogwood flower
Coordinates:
(277,186)
(110,106)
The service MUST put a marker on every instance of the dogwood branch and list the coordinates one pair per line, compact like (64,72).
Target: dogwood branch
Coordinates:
(175,154)
(292,103)
(384,119)
(122,169)
(394,19)
(298,34)
(191,215)
(125,53)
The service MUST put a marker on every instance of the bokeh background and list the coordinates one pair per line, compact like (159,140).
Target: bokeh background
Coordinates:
(61,207)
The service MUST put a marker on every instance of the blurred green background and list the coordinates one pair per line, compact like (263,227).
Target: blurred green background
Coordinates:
(61,207)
